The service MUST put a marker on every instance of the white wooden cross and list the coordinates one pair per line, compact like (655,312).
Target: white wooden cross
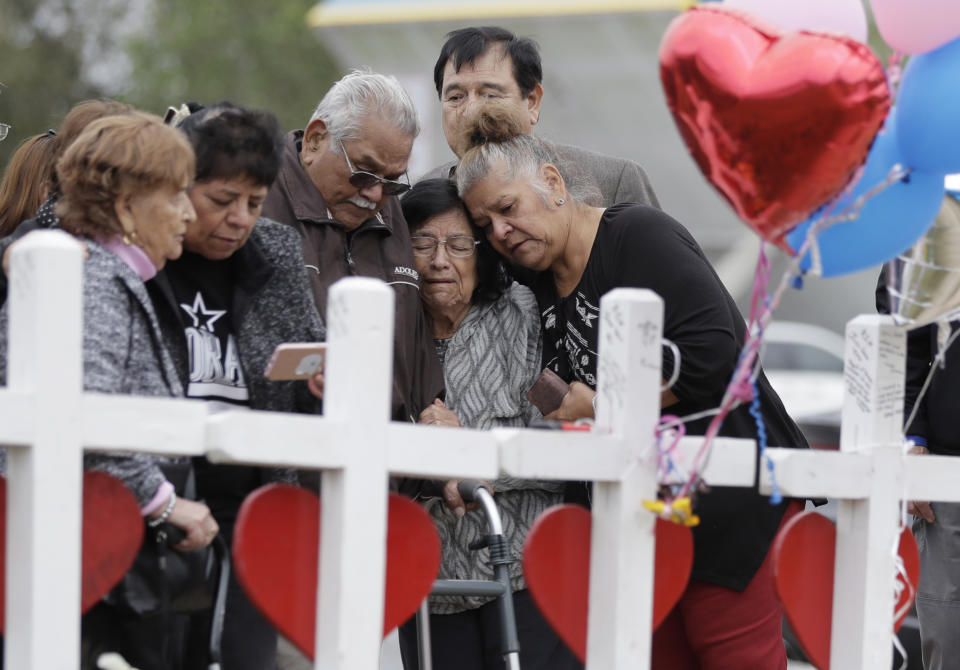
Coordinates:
(620,456)
(869,475)
(48,421)
(355,445)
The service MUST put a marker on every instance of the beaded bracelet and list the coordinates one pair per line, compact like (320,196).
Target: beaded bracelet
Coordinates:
(153,523)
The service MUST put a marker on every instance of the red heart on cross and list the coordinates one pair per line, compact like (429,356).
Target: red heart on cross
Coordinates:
(556,565)
(777,122)
(112,534)
(803,555)
(276,544)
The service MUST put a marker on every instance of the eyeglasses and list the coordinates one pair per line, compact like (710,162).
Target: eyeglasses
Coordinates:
(362,179)
(458,246)
(4,129)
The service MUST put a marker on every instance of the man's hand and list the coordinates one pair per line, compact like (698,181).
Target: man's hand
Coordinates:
(439,414)
(920,508)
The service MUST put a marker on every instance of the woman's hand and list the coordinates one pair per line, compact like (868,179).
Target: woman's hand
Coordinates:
(439,414)
(315,383)
(455,502)
(577,404)
(194,519)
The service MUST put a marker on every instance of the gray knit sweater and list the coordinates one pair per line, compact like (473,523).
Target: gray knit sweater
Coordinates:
(491,362)
(123,352)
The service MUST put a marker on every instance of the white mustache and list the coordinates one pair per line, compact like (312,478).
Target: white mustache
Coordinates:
(362,202)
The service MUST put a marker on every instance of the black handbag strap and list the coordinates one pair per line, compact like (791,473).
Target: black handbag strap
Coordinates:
(219,601)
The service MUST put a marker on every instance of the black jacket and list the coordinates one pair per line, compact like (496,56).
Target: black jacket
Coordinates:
(936,417)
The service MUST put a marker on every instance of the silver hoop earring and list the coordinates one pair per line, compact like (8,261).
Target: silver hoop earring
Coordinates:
(560,202)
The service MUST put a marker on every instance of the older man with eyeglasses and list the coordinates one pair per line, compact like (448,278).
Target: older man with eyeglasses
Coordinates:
(337,186)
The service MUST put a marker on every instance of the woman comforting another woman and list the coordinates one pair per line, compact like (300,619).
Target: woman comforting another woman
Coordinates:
(487,335)
(728,616)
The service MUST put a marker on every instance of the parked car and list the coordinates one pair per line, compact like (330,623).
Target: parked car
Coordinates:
(805,366)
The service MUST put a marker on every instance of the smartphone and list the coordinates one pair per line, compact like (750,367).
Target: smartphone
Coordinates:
(295,360)
(547,392)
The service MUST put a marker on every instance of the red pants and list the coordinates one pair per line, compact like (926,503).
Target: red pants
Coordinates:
(716,628)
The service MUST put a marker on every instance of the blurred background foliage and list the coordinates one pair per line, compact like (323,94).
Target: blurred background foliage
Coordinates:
(156,53)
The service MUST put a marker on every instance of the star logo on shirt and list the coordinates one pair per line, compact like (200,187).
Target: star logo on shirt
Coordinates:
(199,313)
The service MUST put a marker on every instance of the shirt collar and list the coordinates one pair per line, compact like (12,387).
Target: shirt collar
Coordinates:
(135,257)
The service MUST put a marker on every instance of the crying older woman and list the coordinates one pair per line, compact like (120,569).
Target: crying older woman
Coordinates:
(487,335)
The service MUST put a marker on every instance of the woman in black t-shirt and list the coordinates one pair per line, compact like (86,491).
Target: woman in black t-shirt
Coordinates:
(728,616)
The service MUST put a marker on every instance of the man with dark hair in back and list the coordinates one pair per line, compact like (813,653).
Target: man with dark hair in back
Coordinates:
(481,65)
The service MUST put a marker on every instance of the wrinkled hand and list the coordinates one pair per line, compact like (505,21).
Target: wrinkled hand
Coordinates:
(195,520)
(439,414)
(920,508)
(315,383)
(577,404)
(454,501)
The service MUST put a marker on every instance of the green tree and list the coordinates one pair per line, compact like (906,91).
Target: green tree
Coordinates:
(40,68)
(258,54)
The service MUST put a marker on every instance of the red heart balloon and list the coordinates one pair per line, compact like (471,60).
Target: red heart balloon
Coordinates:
(556,565)
(803,555)
(276,544)
(777,122)
(112,534)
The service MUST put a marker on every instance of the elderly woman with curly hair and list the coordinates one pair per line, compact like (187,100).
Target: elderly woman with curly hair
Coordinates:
(124,191)
(487,334)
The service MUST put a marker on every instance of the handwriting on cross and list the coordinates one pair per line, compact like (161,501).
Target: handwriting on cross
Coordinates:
(869,476)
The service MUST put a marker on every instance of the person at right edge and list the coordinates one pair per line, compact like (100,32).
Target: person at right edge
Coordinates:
(728,616)
(934,430)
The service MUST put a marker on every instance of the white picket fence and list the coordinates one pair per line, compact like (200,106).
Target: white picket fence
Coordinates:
(48,421)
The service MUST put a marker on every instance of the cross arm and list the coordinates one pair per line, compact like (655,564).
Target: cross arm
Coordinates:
(806,473)
(570,455)
(733,461)
(438,452)
(277,439)
(153,425)
(932,478)
(563,455)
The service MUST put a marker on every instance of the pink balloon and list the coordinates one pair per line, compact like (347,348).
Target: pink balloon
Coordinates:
(817,16)
(917,26)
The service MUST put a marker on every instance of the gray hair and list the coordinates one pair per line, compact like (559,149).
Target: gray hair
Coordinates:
(360,94)
(521,155)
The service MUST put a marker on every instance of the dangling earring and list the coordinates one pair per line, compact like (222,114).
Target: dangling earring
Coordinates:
(560,202)
(127,240)
(131,238)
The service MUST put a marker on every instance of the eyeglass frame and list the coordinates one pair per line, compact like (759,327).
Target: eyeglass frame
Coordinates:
(437,242)
(390,186)
(4,130)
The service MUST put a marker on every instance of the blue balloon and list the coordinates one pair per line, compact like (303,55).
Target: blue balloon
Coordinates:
(888,224)
(928,120)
